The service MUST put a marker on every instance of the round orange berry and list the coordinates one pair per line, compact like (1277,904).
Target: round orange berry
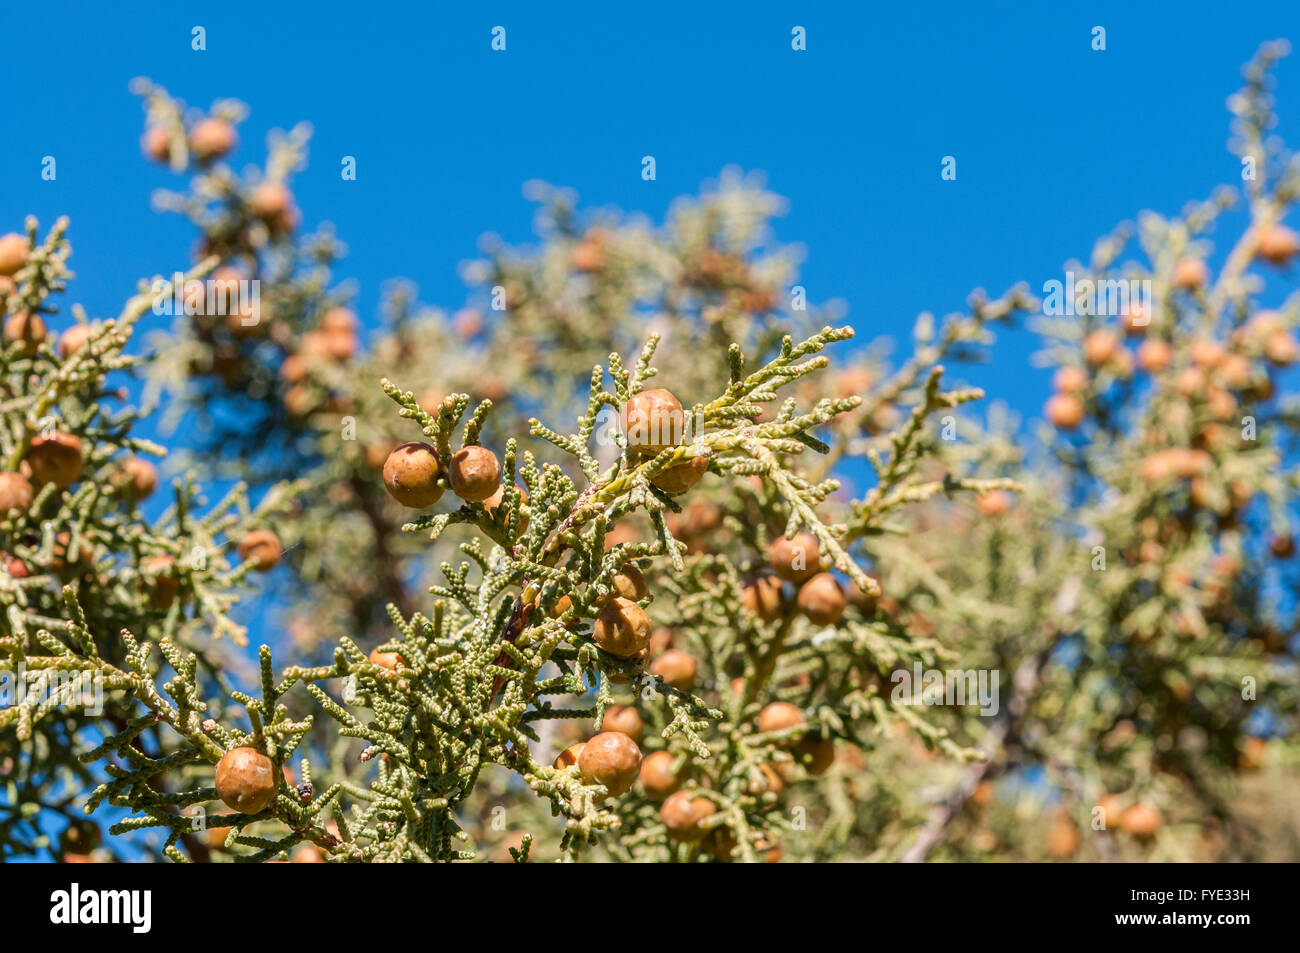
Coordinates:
(13,253)
(1064,411)
(795,560)
(624,719)
(16,493)
(262,549)
(411,475)
(822,599)
(658,779)
(683,814)
(27,330)
(676,668)
(610,758)
(246,780)
(682,476)
(211,138)
(55,457)
(630,584)
(761,595)
(475,473)
(622,628)
(569,756)
(653,421)
(780,716)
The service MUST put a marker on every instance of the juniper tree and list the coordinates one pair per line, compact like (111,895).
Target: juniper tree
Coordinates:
(1153,659)
(82,560)
(249,231)
(690,649)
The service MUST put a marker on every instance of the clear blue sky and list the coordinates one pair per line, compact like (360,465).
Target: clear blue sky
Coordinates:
(1055,143)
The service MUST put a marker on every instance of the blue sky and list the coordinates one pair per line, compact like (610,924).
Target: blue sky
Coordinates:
(1055,143)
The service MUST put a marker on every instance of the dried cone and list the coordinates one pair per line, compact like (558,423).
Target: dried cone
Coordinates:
(624,719)
(653,421)
(246,780)
(661,640)
(270,201)
(1190,273)
(1062,838)
(1277,244)
(164,586)
(16,494)
(411,475)
(475,473)
(815,753)
(388,660)
(569,756)
(1070,379)
(340,320)
(622,628)
(1136,319)
(156,144)
(139,478)
(307,854)
(795,560)
(13,253)
(55,457)
(1100,347)
(431,401)
(1207,352)
(73,339)
(62,560)
(217,835)
(676,668)
(15,566)
(25,329)
(683,814)
(562,605)
(468,322)
(630,584)
(612,759)
(1154,355)
(211,138)
(494,501)
(994,503)
(1112,812)
(1281,349)
(658,780)
(822,599)
(261,548)
(1142,821)
(1252,754)
(768,781)
(683,476)
(780,716)
(589,254)
(761,595)
(1064,411)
